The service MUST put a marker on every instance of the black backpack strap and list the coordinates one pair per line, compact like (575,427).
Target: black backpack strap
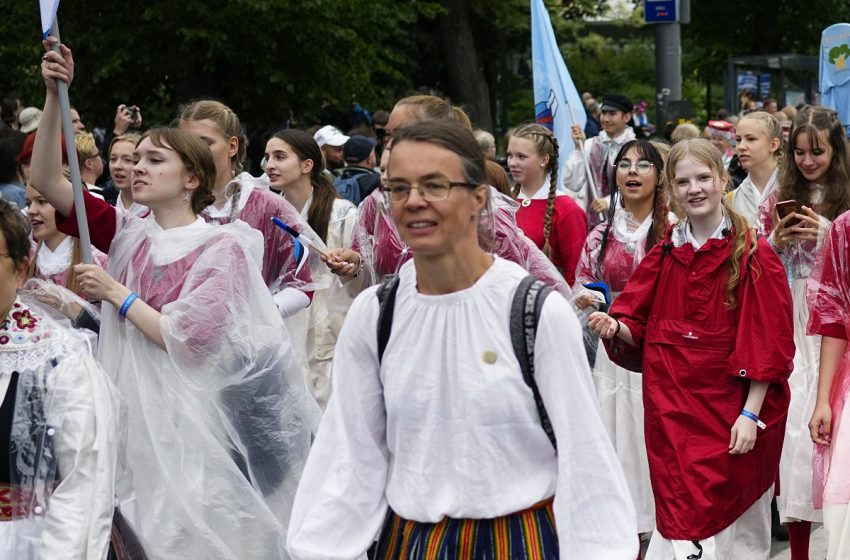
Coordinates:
(525,315)
(386,300)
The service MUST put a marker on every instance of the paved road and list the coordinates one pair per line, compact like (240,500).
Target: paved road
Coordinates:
(780,551)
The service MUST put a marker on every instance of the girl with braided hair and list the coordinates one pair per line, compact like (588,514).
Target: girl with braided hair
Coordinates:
(707,319)
(239,196)
(637,221)
(555,223)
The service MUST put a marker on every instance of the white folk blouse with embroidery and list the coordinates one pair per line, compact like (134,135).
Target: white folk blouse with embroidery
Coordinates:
(439,430)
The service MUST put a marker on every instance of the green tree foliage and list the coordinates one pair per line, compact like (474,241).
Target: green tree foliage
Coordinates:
(271,59)
(268,58)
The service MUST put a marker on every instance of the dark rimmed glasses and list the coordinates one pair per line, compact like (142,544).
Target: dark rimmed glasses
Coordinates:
(432,190)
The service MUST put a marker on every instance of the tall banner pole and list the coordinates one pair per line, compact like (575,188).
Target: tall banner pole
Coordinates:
(73,162)
(591,184)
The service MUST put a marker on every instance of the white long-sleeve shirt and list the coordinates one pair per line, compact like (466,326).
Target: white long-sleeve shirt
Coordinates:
(598,150)
(436,430)
(747,200)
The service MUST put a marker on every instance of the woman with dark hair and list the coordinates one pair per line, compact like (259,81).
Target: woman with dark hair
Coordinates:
(449,437)
(58,422)
(294,167)
(637,221)
(815,179)
(217,411)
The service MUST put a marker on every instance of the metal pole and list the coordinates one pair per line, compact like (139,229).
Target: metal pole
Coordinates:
(73,163)
(591,184)
(668,69)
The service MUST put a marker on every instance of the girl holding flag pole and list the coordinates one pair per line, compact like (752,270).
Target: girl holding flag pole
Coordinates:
(218,416)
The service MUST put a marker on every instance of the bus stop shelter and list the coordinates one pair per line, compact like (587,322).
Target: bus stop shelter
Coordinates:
(791,79)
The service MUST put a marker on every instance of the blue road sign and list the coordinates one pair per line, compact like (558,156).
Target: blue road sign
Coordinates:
(660,11)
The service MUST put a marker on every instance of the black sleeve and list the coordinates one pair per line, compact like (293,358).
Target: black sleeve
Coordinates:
(85,320)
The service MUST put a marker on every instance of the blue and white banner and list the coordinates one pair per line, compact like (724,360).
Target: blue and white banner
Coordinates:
(835,71)
(557,104)
(48,15)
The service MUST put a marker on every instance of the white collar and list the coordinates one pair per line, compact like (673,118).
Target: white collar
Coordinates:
(542,193)
(682,233)
(748,185)
(625,136)
(135,209)
(54,262)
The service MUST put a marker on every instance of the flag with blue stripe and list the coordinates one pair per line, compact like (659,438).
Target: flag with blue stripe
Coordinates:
(557,104)
(48,15)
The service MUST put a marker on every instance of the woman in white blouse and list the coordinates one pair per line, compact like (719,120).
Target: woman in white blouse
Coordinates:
(438,444)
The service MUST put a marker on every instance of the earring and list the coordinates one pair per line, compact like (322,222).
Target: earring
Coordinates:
(186,198)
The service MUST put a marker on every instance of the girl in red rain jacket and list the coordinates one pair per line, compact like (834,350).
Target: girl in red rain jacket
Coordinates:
(707,318)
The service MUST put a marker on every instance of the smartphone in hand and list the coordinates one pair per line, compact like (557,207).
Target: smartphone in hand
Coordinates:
(787,207)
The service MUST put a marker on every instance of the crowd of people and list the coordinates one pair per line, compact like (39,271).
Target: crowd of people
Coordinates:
(391,346)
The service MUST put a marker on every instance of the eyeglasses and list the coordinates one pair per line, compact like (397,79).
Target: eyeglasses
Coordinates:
(432,190)
(643,167)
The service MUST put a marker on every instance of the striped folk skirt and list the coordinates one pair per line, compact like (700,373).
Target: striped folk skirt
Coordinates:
(528,534)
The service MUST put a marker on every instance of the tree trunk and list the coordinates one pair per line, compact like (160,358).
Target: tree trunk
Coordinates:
(467,85)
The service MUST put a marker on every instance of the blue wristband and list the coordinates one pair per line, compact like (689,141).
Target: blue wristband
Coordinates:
(747,414)
(126,305)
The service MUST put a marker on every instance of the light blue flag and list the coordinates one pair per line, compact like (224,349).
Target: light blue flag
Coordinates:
(835,71)
(557,104)
(48,15)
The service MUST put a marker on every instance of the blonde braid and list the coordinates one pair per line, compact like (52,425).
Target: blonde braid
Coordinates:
(71,282)
(739,244)
(550,204)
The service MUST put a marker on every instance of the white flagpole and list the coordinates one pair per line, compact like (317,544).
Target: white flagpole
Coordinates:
(73,162)
(590,182)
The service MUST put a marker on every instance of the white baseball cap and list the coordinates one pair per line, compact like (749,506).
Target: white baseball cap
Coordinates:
(29,119)
(331,136)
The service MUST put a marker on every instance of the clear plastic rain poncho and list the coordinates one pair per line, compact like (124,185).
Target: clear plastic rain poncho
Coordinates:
(624,249)
(322,321)
(383,252)
(799,256)
(63,438)
(219,423)
(828,295)
(255,204)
